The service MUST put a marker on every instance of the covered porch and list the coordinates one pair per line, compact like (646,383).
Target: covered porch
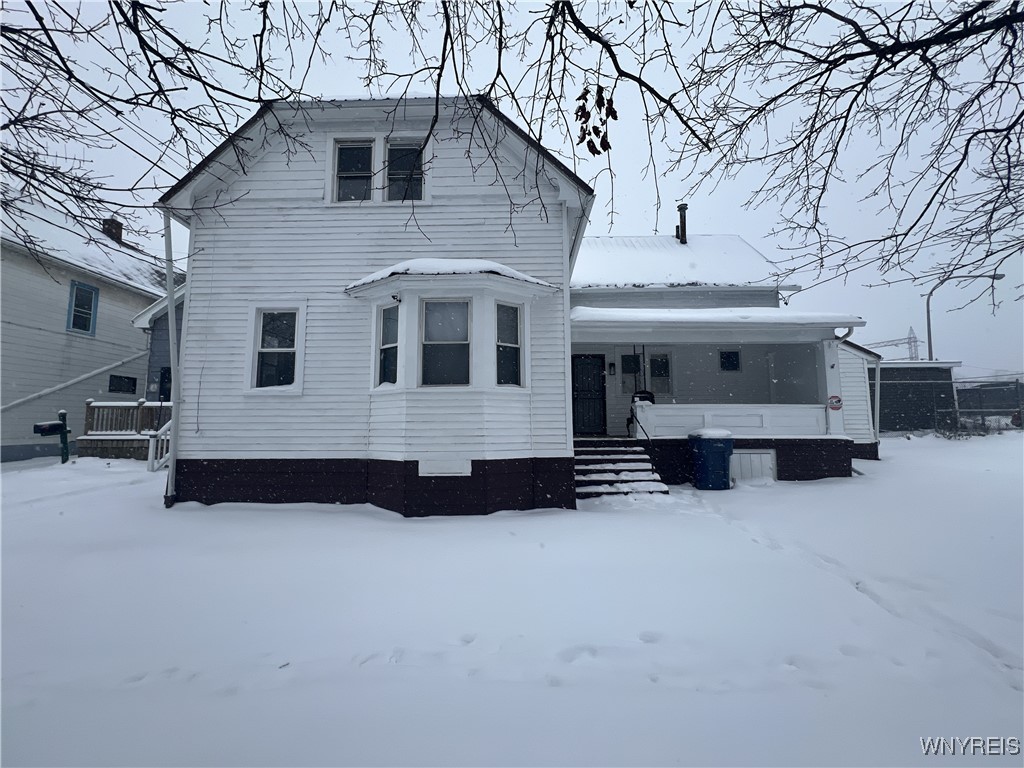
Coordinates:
(760,372)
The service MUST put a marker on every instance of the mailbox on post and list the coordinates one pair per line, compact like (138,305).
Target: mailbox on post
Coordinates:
(58,428)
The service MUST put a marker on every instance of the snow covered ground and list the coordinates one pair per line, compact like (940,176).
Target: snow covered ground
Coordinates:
(827,623)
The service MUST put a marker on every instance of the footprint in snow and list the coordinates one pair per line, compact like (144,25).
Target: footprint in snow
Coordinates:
(468,638)
(649,637)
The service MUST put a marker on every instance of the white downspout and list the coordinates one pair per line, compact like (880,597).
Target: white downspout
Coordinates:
(878,395)
(170,496)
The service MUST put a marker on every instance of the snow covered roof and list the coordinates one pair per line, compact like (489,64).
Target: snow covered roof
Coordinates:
(662,261)
(159,307)
(921,363)
(62,239)
(716,317)
(447,267)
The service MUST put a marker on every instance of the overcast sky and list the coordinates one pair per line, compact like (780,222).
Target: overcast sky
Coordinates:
(986,343)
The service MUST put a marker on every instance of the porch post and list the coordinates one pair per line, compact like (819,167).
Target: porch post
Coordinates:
(833,386)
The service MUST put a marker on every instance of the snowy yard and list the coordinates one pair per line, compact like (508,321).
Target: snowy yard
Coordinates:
(827,623)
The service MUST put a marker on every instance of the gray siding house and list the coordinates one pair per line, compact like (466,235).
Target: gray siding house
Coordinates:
(153,321)
(67,305)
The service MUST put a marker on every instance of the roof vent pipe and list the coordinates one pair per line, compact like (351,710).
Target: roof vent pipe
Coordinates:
(681,226)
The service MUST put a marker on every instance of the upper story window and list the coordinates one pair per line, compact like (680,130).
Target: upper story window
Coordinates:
(445,343)
(387,366)
(82,308)
(354,171)
(509,346)
(405,172)
(275,355)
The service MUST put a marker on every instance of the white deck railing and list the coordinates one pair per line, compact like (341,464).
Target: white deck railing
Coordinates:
(674,420)
(159,447)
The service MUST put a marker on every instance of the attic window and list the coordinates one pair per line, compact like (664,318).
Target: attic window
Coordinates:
(354,171)
(405,172)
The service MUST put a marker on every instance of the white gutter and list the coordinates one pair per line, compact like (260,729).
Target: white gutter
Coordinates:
(75,380)
(170,494)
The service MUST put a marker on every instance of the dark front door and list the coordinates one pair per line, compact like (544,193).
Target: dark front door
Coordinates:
(588,409)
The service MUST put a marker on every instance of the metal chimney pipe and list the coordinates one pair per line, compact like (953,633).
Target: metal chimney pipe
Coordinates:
(681,226)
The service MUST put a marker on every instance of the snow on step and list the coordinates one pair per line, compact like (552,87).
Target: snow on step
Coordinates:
(600,448)
(633,465)
(628,487)
(620,456)
(618,476)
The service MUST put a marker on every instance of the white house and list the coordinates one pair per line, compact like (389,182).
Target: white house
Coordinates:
(364,322)
(67,304)
(429,330)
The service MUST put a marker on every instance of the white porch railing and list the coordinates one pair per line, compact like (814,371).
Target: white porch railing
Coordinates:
(159,447)
(674,420)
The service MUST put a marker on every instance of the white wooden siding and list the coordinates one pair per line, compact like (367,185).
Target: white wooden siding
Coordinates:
(39,353)
(280,240)
(857,416)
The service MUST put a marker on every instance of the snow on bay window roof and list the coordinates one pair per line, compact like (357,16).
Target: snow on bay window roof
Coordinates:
(662,261)
(434,267)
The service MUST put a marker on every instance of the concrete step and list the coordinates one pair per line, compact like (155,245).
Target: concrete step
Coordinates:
(620,489)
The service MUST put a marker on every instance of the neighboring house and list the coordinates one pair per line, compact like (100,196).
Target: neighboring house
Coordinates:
(153,321)
(694,323)
(366,324)
(67,305)
(917,395)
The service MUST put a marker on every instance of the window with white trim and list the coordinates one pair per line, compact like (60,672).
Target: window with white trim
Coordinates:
(661,374)
(354,171)
(387,358)
(276,348)
(509,344)
(445,343)
(82,308)
(405,171)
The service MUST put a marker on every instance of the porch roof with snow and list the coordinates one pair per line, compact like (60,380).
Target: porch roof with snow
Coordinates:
(435,267)
(675,325)
(661,261)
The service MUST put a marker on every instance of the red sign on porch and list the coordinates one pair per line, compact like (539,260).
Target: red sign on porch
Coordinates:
(835,402)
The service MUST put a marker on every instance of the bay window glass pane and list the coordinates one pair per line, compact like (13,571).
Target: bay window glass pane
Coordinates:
(389,326)
(508,324)
(275,369)
(508,365)
(446,364)
(388,365)
(446,321)
(278,330)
